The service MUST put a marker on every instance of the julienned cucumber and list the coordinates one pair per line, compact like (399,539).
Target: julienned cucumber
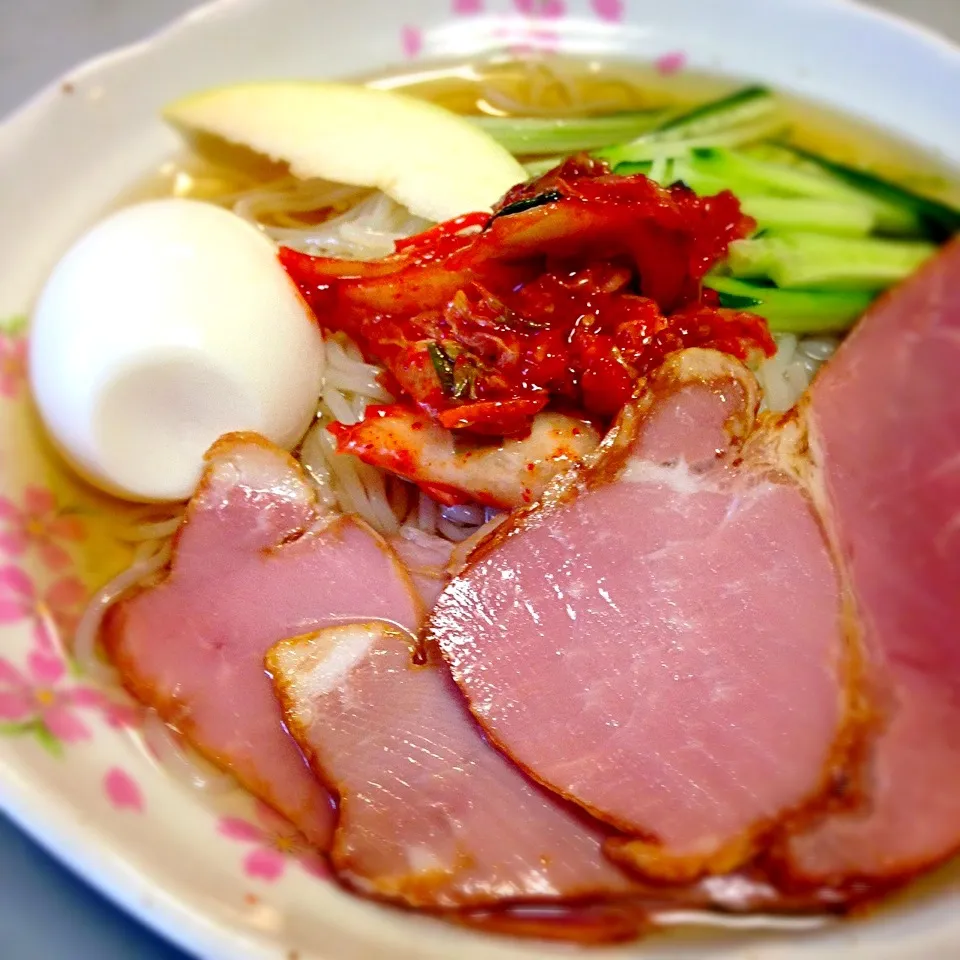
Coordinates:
(742,106)
(529,136)
(744,174)
(653,147)
(793,311)
(811,260)
(845,218)
(832,217)
(743,117)
(937,220)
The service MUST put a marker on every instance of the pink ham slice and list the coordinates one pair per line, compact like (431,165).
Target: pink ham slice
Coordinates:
(664,644)
(430,814)
(885,422)
(254,562)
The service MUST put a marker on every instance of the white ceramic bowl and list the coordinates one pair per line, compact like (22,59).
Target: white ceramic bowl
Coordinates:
(67,773)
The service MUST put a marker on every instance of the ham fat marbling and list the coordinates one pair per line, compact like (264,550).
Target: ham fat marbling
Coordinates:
(255,561)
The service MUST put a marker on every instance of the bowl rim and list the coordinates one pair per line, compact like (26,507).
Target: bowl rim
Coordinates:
(44,818)
(211,9)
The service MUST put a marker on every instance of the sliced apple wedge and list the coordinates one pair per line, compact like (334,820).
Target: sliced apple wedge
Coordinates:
(434,162)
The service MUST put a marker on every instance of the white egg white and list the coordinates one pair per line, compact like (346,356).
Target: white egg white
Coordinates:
(165,326)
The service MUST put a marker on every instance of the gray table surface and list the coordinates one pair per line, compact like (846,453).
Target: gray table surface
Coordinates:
(45,913)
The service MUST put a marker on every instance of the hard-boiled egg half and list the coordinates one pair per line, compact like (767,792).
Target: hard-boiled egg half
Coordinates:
(167,325)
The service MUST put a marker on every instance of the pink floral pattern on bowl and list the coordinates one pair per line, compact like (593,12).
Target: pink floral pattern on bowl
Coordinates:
(532,25)
(545,9)
(123,791)
(44,699)
(274,844)
(54,609)
(13,357)
(672,62)
(610,10)
(38,700)
(39,523)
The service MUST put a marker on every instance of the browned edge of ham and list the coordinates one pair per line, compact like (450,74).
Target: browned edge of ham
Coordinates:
(883,419)
(254,561)
(603,465)
(429,814)
(774,463)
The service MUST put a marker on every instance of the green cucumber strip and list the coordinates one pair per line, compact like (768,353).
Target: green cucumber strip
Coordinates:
(763,176)
(938,220)
(741,107)
(771,213)
(628,169)
(815,216)
(745,116)
(814,260)
(793,311)
(653,146)
(661,170)
(531,136)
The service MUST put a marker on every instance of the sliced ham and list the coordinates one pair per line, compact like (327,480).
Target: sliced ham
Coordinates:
(255,561)
(884,420)
(663,640)
(430,814)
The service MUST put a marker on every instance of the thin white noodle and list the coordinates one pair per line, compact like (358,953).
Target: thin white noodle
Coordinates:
(180,760)
(367,229)
(343,362)
(454,531)
(157,530)
(788,373)
(314,461)
(358,381)
(427,514)
(819,348)
(84,647)
(352,351)
(569,100)
(339,406)
(288,195)
(344,477)
(797,378)
(376,491)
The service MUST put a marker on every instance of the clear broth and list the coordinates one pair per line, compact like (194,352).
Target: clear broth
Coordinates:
(568,86)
